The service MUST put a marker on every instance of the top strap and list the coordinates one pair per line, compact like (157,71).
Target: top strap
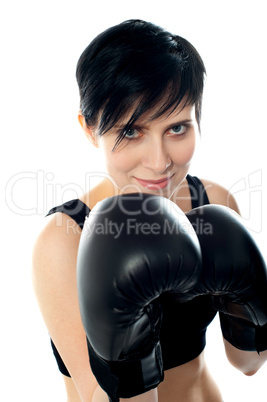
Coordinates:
(197,190)
(76,209)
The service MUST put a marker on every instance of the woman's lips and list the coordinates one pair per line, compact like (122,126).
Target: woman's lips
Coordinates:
(155,184)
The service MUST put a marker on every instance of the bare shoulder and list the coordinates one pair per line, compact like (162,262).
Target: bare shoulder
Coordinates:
(57,244)
(218,194)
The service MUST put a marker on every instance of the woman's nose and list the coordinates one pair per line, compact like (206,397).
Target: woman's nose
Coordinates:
(156,157)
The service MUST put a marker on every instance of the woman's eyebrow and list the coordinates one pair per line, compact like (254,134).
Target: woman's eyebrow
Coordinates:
(145,125)
(183,121)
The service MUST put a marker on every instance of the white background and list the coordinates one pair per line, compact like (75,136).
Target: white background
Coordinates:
(45,159)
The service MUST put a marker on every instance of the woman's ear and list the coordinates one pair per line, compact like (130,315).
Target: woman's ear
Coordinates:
(89,132)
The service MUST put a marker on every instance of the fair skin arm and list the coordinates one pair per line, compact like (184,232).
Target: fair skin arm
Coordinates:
(54,281)
(247,362)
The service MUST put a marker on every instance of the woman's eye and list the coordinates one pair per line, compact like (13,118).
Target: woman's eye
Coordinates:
(131,133)
(180,129)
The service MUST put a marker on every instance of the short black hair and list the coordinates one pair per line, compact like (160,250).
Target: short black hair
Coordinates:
(137,61)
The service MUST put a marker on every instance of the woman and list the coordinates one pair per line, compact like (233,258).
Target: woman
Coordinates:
(140,103)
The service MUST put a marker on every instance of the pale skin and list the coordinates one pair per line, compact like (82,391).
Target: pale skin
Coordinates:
(161,148)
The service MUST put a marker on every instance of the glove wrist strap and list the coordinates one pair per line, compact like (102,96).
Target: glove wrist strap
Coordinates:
(127,378)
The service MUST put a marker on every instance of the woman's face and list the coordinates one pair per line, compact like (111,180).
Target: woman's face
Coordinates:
(155,156)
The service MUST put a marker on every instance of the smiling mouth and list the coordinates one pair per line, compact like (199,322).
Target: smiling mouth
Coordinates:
(155,184)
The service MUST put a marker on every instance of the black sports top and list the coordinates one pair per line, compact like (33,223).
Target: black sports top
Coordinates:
(184,325)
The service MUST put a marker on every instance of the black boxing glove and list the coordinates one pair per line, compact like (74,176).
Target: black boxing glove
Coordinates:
(234,273)
(133,248)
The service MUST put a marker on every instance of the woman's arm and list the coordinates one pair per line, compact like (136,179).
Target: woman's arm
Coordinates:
(54,280)
(247,362)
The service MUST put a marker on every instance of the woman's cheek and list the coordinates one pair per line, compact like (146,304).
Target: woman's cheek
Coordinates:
(183,153)
(190,153)
(122,162)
